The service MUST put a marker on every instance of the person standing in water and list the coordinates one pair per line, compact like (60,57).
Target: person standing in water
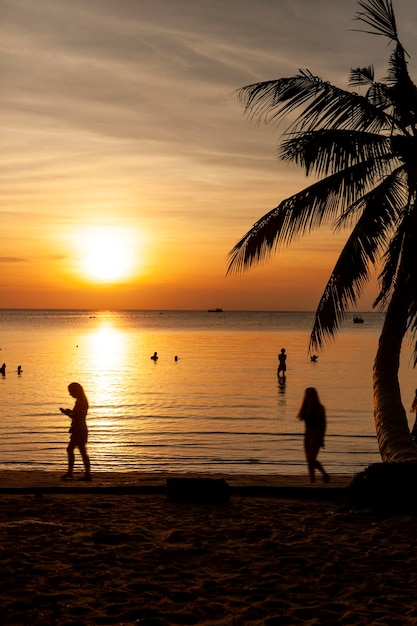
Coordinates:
(78,430)
(313,414)
(282,363)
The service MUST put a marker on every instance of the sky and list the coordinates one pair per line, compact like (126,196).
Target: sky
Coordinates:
(128,169)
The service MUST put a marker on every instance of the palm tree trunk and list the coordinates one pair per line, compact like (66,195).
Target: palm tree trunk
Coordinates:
(393,434)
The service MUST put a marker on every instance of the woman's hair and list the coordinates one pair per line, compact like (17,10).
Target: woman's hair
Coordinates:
(77,391)
(310,402)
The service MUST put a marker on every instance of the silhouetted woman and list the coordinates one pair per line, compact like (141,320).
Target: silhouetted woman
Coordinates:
(313,415)
(78,430)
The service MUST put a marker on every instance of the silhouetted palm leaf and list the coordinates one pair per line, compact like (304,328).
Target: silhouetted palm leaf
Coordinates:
(379,15)
(323,105)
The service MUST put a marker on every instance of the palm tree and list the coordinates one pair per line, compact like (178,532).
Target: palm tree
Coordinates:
(363,151)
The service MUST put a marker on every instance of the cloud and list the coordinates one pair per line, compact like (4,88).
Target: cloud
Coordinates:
(126,111)
(162,73)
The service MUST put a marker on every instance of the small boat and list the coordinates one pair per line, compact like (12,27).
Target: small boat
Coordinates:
(358,320)
(218,310)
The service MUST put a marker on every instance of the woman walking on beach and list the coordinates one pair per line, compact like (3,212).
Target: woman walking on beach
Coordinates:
(78,430)
(312,413)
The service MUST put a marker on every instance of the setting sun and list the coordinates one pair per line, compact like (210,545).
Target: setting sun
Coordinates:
(108,254)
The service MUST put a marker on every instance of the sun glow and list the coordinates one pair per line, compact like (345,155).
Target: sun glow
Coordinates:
(107,254)
(106,356)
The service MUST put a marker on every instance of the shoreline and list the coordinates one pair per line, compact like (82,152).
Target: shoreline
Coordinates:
(15,480)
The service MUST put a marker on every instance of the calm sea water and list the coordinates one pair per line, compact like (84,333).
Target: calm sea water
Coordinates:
(218,408)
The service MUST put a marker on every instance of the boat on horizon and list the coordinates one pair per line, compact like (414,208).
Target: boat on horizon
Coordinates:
(358,320)
(217,310)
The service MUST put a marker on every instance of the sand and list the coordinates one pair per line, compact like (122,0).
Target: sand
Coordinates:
(124,555)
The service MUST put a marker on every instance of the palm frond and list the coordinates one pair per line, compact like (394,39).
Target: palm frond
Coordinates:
(361,76)
(321,105)
(379,15)
(377,93)
(391,261)
(385,201)
(328,151)
(381,211)
(299,214)
(258,243)
(379,96)
(348,278)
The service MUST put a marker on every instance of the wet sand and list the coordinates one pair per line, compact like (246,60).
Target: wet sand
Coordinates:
(10,480)
(125,555)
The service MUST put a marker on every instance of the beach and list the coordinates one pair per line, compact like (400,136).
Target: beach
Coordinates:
(118,551)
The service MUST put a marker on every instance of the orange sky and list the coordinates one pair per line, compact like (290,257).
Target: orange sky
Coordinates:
(128,169)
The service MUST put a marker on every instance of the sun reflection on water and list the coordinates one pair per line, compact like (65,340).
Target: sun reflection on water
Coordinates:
(107,346)
(108,350)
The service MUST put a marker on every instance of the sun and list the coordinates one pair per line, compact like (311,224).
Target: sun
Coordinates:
(108,254)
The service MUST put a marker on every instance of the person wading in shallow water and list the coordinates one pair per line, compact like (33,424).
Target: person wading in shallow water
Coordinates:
(78,430)
(282,364)
(313,415)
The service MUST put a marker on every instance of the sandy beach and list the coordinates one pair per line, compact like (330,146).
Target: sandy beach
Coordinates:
(129,555)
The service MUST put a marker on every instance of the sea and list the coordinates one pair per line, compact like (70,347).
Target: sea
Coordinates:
(210,403)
